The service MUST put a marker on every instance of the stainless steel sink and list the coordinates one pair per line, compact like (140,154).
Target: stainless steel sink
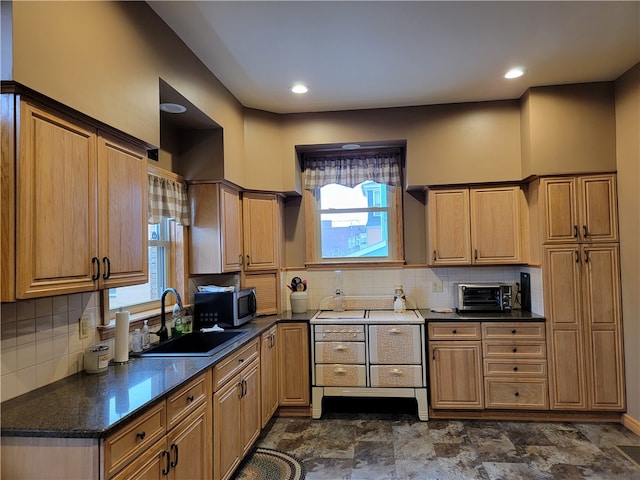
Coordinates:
(196,344)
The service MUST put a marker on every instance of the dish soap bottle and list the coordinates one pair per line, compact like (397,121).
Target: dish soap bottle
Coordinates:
(399,300)
(177,320)
(146,336)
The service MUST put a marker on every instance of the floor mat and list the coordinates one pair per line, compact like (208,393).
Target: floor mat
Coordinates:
(632,452)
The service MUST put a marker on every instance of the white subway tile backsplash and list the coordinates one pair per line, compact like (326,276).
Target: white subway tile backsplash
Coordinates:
(40,341)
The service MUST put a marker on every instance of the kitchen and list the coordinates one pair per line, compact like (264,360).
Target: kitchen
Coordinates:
(247,131)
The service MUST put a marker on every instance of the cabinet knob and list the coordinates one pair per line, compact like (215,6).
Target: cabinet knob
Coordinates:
(515,349)
(517,394)
(515,369)
(141,435)
(190,399)
(513,331)
(454,331)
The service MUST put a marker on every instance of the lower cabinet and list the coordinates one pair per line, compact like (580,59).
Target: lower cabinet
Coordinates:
(269,373)
(488,365)
(171,441)
(293,360)
(236,409)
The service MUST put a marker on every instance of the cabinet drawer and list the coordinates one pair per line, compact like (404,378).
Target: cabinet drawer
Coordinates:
(134,438)
(327,333)
(519,368)
(454,331)
(338,375)
(340,352)
(396,376)
(513,349)
(395,344)
(520,331)
(512,393)
(231,365)
(187,399)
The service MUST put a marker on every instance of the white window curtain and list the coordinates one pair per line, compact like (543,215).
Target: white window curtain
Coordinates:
(352,169)
(167,199)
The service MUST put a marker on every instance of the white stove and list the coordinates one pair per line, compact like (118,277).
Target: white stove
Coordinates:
(368,350)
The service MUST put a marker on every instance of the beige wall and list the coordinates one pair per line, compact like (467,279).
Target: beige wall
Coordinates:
(105,60)
(628,162)
(569,129)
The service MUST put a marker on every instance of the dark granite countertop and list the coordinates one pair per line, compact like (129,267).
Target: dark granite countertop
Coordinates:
(513,316)
(93,406)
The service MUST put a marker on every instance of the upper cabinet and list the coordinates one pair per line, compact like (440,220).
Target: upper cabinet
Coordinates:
(262,221)
(81,207)
(216,229)
(475,226)
(579,209)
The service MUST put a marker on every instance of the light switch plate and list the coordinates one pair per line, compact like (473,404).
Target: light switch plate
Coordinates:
(83,327)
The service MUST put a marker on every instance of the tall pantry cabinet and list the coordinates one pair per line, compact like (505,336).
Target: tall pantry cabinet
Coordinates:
(581,275)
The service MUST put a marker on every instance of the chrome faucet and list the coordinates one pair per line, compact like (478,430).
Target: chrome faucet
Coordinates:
(163,333)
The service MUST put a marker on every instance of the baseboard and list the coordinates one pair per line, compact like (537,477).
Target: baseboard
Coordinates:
(533,416)
(631,423)
(293,411)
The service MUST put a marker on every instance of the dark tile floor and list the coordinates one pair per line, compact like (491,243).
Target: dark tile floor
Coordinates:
(392,443)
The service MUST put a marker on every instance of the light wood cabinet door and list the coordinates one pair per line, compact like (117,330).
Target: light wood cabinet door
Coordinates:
(189,445)
(231,210)
(267,287)
(250,419)
(602,306)
(122,213)
(56,206)
(449,227)
(293,352)
(495,225)
(216,229)
(579,209)
(456,374)
(269,374)
(261,231)
(153,464)
(582,303)
(226,429)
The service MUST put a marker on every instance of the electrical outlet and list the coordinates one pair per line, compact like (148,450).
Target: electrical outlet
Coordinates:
(436,286)
(83,327)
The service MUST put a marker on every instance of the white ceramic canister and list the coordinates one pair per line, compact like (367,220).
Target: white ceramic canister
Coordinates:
(298,302)
(96,359)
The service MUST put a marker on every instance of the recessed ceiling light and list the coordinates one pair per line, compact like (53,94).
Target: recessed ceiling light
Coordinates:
(299,88)
(173,108)
(515,72)
(351,146)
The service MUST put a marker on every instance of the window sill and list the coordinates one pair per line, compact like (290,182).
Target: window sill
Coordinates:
(354,265)
(136,320)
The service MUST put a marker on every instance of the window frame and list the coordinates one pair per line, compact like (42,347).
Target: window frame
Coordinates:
(313,254)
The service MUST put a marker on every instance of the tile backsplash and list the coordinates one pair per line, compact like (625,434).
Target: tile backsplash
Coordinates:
(41,342)
(423,284)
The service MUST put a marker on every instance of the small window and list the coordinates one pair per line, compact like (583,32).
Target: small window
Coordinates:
(359,223)
(136,298)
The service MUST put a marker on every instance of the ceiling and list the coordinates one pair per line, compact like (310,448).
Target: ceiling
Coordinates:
(371,54)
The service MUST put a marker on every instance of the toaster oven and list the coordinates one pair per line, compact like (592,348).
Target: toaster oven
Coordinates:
(483,297)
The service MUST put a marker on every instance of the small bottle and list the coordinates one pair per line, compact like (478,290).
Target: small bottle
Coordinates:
(399,300)
(146,336)
(177,320)
(136,344)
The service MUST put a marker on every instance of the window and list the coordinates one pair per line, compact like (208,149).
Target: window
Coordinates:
(147,296)
(357,223)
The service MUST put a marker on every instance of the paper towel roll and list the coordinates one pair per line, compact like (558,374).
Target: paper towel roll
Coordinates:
(122,337)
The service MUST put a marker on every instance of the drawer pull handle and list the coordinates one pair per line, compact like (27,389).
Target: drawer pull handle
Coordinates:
(454,331)
(515,369)
(515,349)
(513,331)
(396,371)
(394,331)
(141,435)
(240,360)
(190,399)
(517,394)
(340,371)
(340,348)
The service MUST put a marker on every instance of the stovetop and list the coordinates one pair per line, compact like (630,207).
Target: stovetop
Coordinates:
(367,309)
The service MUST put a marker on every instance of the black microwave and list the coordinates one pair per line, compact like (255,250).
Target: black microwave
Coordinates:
(227,309)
